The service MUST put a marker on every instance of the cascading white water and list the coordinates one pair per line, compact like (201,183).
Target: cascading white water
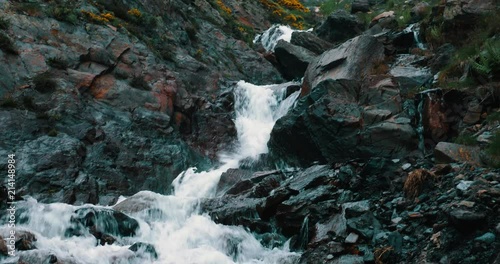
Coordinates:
(271,36)
(179,233)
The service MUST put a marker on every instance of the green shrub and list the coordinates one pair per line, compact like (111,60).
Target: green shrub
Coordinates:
(487,62)
(29,103)
(6,44)
(44,83)
(8,102)
(58,63)
(52,133)
(31,9)
(65,13)
(4,23)
(331,6)
(468,140)
(494,147)
(403,17)
(493,117)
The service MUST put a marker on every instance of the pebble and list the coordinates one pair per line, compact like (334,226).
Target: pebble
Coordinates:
(467,204)
(415,215)
(351,238)
(486,238)
(464,185)
(406,166)
(330,256)
(396,220)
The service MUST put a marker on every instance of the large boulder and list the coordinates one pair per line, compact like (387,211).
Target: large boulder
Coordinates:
(450,152)
(328,125)
(338,117)
(101,221)
(310,41)
(351,60)
(339,26)
(292,60)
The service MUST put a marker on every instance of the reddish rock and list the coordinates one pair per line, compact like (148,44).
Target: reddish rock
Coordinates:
(81,80)
(101,86)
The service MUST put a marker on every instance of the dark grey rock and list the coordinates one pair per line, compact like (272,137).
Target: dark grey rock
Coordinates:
(310,41)
(339,26)
(292,60)
(144,249)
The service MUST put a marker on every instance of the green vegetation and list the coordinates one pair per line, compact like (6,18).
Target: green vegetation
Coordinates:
(44,83)
(31,9)
(494,149)
(487,62)
(291,12)
(8,102)
(4,23)
(468,140)
(52,133)
(477,54)
(58,63)
(330,6)
(493,117)
(6,44)
(64,14)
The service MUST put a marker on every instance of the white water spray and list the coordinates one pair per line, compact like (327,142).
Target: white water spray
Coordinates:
(177,230)
(271,36)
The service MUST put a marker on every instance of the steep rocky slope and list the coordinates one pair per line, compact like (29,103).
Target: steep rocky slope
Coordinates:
(390,155)
(102,99)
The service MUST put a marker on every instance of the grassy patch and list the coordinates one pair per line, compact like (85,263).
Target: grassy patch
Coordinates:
(467,140)
(493,117)
(494,147)
(330,6)
(487,62)
(64,14)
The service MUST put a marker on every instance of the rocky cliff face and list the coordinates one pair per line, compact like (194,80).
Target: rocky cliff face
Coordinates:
(107,98)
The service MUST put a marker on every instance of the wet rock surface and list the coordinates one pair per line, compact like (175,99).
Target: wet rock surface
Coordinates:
(385,170)
(335,215)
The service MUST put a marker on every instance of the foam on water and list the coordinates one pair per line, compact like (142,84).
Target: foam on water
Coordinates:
(179,233)
(271,36)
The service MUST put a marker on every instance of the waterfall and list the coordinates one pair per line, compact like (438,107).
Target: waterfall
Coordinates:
(176,228)
(275,33)
(415,29)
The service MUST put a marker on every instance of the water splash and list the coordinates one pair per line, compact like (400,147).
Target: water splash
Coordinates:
(173,224)
(275,33)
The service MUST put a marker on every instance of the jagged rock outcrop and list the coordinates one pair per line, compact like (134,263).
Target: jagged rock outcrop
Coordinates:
(292,60)
(340,118)
(310,41)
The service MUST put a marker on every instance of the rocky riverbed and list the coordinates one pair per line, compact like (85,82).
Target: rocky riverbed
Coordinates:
(387,149)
